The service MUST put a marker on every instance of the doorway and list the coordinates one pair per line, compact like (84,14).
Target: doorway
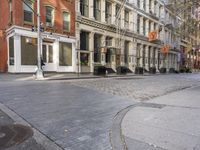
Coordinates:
(48,57)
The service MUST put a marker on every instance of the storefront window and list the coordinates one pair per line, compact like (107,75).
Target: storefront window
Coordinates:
(28,51)
(84,59)
(11,51)
(65,54)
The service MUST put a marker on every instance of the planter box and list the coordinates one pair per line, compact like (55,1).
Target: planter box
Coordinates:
(139,70)
(99,70)
(171,70)
(121,70)
(163,70)
(152,70)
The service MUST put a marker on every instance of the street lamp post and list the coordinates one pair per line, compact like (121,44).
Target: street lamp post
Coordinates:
(39,72)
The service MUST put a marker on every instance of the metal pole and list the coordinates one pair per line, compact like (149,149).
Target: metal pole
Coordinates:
(39,73)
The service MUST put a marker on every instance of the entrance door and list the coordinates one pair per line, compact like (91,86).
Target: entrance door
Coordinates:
(48,55)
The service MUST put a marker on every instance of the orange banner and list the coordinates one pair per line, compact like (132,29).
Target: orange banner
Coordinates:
(1,33)
(165,49)
(152,36)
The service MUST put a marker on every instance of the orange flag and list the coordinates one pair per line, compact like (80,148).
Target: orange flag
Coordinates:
(152,36)
(165,49)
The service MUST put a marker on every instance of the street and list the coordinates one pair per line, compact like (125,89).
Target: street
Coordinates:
(82,114)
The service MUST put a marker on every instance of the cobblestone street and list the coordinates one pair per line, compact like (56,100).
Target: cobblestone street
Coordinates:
(141,87)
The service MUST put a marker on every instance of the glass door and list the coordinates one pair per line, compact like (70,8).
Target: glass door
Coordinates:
(47,56)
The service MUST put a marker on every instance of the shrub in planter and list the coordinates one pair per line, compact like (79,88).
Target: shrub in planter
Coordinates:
(171,70)
(121,70)
(163,70)
(99,70)
(182,70)
(152,70)
(139,70)
(188,70)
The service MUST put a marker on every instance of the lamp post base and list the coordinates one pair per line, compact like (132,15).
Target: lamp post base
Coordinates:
(39,74)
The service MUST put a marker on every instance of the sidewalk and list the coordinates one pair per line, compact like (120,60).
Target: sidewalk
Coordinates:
(165,123)
(61,76)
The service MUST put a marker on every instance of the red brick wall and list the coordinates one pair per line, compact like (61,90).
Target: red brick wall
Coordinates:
(59,5)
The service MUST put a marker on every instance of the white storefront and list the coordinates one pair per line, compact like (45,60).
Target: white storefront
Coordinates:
(58,51)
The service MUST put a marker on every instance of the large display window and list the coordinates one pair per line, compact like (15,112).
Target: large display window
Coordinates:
(65,54)
(28,51)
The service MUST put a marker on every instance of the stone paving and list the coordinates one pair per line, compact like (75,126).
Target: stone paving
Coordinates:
(29,144)
(75,118)
(78,114)
(141,87)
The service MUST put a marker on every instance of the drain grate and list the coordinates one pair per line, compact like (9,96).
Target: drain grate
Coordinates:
(14,134)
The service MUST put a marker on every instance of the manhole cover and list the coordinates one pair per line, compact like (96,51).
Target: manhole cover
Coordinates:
(14,134)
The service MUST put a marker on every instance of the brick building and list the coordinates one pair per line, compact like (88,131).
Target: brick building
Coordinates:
(18,43)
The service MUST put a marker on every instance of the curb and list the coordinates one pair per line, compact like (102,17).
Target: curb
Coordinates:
(116,137)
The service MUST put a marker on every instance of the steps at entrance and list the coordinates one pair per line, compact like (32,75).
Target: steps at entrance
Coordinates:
(110,70)
(128,70)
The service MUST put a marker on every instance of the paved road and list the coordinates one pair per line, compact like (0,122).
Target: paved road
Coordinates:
(75,118)
(79,114)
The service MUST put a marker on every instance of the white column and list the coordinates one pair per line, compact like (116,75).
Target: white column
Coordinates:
(122,18)
(147,27)
(113,13)
(103,11)
(91,11)
(17,53)
(78,6)
(131,21)
(147,6)
(156,59)
(146,57)
(91,49)
(141,55)
(134,19)
(103,56)
(141,4)
(153,6)
(141,25)
(56,54)
(78,50)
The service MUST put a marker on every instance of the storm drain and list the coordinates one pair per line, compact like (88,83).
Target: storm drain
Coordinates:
(14,134)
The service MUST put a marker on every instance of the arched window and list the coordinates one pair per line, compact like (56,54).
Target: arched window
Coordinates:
(49,16)
(28,12)
(66,21)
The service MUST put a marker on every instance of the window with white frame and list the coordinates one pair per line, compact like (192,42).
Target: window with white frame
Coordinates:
(49,16)
(84,8)
(97,10)
(28,12)
(108,12)
(66,21)
(126,19)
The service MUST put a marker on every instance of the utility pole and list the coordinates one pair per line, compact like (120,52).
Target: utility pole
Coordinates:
(39,72)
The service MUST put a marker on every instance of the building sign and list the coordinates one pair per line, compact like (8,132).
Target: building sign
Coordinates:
(152,36)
